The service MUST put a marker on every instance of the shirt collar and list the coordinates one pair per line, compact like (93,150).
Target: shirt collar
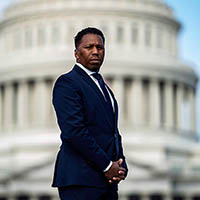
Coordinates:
(89,72)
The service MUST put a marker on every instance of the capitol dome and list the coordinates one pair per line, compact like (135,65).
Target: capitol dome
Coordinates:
(156,93)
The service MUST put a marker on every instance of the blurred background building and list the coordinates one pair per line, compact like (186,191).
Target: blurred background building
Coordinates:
(156,93)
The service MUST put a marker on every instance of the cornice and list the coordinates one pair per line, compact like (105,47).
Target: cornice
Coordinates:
(87,12)
(172,72)
(27,10)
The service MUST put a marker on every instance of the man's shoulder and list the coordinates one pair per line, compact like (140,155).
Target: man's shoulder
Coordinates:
(66,76)
(67,79)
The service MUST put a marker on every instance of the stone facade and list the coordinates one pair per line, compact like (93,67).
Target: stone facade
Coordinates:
(155,90)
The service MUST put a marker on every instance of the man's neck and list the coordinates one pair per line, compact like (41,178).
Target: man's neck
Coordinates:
(88,71)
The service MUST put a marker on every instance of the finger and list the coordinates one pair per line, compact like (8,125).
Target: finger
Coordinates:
(116,179)
(120,161)
(121,172)
(121,168)
(122,177)
(110,181)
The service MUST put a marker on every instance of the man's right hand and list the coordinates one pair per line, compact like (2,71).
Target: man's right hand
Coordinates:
(116,173)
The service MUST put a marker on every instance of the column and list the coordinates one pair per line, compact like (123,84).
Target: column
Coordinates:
(167,196)
(22,101)
(55,198)
(40,102)
(154,103)
(188,197)
(123,197)
(168,96)
(135,103)
(34,197)
(145,197)
(179,105)
(51,115)
(8,107)
(192,99)
(12,197)
(118,88)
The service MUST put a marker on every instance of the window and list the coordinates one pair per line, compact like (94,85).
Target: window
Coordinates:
(41,40)
(55,37)
(28,38)
(148,35)
(169,41)
(105,30)
(159,42)
(134,34)
(119,34)
(17,40)
(69,33)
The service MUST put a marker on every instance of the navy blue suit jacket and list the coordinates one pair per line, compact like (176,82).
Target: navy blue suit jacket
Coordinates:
(90,139)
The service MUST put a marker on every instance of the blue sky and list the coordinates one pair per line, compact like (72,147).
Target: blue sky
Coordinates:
(188,13)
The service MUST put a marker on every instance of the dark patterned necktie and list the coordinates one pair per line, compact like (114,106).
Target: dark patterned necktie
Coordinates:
(105,92)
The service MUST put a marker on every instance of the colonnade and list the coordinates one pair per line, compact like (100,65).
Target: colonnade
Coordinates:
(153,103)
(136,196)
(25,104)
(160,196)
(30,197)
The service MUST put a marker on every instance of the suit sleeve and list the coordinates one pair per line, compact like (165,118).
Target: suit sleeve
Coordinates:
(121,154)
(69,110)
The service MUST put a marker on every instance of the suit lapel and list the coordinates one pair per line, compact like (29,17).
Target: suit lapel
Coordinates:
(115,106)
(116,133)
(93,85)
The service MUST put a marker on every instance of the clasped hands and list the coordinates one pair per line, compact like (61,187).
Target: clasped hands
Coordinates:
(116,173)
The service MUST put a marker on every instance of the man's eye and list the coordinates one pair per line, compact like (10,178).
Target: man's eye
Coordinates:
(99,47)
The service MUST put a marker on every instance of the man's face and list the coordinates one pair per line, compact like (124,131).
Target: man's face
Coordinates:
(90,52)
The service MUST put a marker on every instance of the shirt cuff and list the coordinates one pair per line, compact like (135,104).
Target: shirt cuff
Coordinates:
(108,167)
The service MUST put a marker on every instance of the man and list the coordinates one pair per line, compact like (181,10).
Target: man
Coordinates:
(90,162)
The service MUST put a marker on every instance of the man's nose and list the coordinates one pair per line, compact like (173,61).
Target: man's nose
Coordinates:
(95,50)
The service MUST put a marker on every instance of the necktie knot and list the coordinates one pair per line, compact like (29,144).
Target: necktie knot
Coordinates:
(97,76)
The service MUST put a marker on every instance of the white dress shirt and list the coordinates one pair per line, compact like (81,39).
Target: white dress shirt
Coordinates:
(89,72)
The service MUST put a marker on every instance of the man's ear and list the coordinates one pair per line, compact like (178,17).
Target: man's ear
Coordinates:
(76,54)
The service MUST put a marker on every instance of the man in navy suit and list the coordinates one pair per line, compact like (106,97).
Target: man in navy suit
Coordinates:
(90,163)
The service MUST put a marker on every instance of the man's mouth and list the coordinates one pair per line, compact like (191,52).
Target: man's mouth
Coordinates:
(94,60)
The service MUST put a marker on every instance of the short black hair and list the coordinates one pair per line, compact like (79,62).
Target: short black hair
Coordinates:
(89,30)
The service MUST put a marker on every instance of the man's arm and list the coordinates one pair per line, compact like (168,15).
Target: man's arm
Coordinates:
(69,111)
(121,154)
